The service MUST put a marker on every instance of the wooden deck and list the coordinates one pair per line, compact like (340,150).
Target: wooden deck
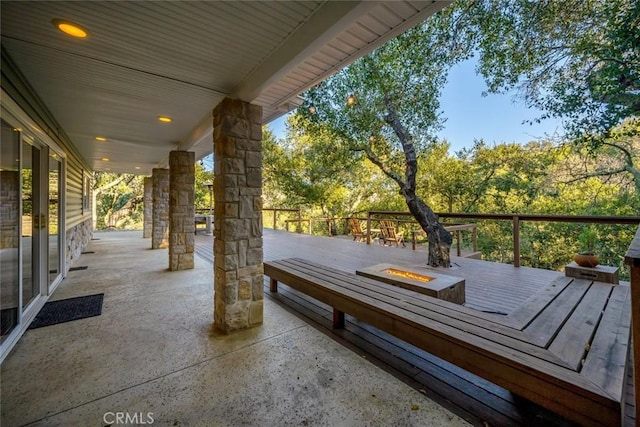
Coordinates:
(491,287)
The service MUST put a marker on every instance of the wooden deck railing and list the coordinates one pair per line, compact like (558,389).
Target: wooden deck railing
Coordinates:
(516,219)
(275,215)
(632,259)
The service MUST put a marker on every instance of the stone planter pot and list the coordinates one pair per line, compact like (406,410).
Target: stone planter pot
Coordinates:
(586,260)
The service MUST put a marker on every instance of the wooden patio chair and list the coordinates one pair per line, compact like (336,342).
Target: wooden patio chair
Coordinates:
(356,230)
(390,235)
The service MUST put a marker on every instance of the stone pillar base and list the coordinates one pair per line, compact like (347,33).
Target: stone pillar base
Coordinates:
(238,270)
(181,210)
(160,226)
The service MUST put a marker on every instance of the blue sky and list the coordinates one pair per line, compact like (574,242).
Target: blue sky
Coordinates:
(494,118)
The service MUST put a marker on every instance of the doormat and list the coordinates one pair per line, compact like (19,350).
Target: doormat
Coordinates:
(82,267)
(67,310)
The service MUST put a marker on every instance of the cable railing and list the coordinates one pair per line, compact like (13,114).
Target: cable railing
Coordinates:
(516,220)
(508,250)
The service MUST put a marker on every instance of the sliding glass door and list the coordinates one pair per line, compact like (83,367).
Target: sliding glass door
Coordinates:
(30,225)
(9,229)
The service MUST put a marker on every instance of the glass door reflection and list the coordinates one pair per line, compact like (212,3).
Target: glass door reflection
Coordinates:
(55,168)
(31,223)
(9,229)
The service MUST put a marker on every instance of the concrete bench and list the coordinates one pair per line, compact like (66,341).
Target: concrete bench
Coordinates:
(530,354)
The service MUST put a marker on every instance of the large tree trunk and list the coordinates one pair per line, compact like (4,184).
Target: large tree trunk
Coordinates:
(439,238)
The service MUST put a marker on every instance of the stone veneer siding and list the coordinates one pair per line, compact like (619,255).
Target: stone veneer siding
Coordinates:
(160,226)
(77,237)
(147,225)
(238,255)
(181,209)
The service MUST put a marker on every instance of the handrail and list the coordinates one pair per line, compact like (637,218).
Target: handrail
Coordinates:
(632,259)
(527,217)
(516,219)
(275,215)
(310,221)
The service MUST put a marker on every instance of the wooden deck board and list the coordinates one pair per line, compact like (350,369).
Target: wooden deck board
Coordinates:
(601,364)
(544,327)
(490,287)
(574,338)
(477,346)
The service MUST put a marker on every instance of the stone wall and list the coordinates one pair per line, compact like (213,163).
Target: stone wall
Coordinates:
(181,209)
(147,225)
(77,237)
(160,226)
(238,255)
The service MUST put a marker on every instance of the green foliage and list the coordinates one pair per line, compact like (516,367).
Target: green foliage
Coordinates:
(203,197)
(578,60)
(118,200)
(588,238)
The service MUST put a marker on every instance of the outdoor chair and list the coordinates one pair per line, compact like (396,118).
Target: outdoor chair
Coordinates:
(356,230)
(390,235)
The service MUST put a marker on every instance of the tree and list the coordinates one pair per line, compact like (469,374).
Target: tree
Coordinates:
(384,107)
(306,172)
(578,60)
(117,200)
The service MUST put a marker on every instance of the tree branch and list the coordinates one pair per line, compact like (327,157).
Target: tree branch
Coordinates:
(409,150)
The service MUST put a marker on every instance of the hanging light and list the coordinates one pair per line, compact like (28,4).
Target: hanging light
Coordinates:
(351,100)
(312,108)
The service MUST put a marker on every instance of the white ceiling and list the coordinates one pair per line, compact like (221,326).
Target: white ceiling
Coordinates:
(145,59)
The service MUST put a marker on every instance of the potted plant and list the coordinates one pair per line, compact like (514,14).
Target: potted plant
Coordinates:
(587,257)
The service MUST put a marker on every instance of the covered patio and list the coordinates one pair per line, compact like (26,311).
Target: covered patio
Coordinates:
(154,350)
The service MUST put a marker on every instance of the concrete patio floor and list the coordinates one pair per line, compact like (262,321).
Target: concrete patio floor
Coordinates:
(153,350)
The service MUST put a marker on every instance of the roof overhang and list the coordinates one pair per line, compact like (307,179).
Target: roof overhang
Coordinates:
(180,59)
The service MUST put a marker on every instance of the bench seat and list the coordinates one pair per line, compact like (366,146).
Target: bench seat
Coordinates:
(517,352)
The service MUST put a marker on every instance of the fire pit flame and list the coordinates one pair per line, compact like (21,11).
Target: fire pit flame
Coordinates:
(408,275)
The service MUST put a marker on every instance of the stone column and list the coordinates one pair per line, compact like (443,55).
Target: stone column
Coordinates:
(148,207)
(182,210)
(160,226)
(238,282)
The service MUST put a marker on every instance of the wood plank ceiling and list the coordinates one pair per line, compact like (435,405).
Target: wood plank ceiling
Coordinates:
(180,59)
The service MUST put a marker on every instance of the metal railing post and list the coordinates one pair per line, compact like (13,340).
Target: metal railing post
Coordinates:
(516,241)
(368,228)
(275,215)
(299,221)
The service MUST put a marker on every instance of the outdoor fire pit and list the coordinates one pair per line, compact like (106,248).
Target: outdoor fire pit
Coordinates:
(441,286)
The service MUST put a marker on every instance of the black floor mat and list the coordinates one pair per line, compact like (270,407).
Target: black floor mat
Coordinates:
(69,309)
(82,267)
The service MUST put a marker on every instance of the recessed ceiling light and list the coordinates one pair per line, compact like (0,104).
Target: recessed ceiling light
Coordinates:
(104,159)
(137,167)
(70,28)
(107,169)
(165,119)
(100,138)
